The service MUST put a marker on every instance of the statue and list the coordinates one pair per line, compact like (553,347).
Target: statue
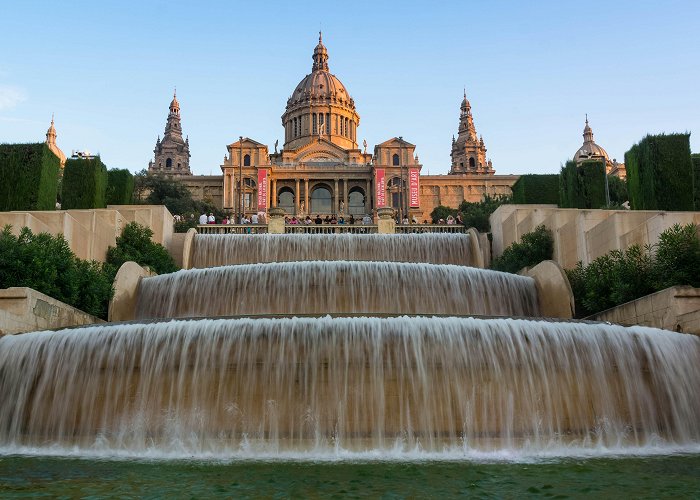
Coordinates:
(276,143)
(364,143)
(342,207)
(302,207)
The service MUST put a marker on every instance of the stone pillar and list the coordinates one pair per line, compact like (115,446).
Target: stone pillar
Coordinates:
(345,195)
(297,198)
(275,224)
(336,198)
(122,307)
(307,208)
(273,197)
(386,223)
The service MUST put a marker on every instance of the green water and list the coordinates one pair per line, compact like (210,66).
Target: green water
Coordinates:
(645,477)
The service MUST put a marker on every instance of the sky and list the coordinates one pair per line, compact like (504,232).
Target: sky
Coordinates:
(531,70)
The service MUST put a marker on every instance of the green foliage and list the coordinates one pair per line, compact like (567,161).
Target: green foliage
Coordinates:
(477,214)
(120,187)
(582,186)
(46,263)
(28,177)
(84,184)
(618,191)
(660,173)
(533,248)
(174,195)
(695,158)
(678,257)
(442,212)
(536,189)
(135,244)
(619,277)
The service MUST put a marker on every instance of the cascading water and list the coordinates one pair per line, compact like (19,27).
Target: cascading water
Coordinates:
(378,387)
(266,387)
(289,288)
(222,250)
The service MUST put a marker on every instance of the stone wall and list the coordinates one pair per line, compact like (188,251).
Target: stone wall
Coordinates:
(90,233)
(25,310)
(676,308)
(583,235)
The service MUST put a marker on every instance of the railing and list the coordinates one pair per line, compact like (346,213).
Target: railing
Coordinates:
(430,228)
(232,228)
(330,229)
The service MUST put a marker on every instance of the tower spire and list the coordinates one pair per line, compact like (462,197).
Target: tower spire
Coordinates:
(320,56)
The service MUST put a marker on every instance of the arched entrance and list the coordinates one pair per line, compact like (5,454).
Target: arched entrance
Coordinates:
(285,200)
(357,202)
(321,200)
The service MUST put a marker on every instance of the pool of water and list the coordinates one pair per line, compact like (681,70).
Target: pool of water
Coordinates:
(674,476)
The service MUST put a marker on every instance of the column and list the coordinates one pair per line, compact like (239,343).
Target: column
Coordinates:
(306,196)
(345,195)
(336,198)
(297,198)
(273,197)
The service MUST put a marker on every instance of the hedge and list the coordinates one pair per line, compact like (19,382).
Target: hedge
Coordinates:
(533,248)
(120,187)
(84,184)
(582,186)
(695,158)
(28,177)
(536,189)
(660,173)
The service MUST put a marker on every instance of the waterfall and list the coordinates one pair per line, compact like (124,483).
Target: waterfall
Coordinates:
(256,387)
(321,287)
(222,250)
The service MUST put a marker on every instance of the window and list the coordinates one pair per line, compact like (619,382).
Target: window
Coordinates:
(315,125)
(246,161)
(295,127)
(169,163)
(247,200)
(395,160)
(178,166)
(472,163)
(321,201)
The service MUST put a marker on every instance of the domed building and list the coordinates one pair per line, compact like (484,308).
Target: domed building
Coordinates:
(592,151)
(51,143)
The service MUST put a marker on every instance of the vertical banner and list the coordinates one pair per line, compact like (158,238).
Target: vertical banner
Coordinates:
(413,178)
(262,189)
(380,186)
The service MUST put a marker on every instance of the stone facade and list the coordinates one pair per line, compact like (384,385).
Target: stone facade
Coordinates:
(468,153)
(172,154)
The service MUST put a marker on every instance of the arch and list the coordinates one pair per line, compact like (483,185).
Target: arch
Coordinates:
(357,201)
(286,199)
(321,200)
(472,163)
(246,161)
(169,163)
(395,159)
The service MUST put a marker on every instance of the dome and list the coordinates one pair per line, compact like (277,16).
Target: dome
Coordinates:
(589,149)
(174,104)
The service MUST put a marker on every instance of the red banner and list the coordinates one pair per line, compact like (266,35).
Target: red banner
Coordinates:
(380,186)
(262,189)
(413,179)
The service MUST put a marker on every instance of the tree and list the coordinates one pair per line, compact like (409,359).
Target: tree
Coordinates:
(533,248)
(135,244)
(442,212)
(476,214)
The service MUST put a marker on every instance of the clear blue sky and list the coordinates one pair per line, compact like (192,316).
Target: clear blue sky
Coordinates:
(531,69)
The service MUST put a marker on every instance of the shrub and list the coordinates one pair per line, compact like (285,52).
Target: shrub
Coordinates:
(135,244)
(28,177)
(622,276)
(46,263)
(120,187)
(618,191)
(660,173)
(536,189)
(533,248)
(476,214)
(442,212)
(84,184)
(695,158)
(582,186)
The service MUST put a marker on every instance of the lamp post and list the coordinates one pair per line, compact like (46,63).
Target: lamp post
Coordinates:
(240,183)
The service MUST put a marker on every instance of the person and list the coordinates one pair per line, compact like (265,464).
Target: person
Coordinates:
(341,220)
(441,221)
(405,221)
(203,219)
(308,220)
(211,219)
(459,219)
(254,218)
(351,220)
(327,220)
(450,220)
(261,217)
(294,220)
(366,220)
(318,219)
(334,220)
(225,221)
(425,221)
(414,220)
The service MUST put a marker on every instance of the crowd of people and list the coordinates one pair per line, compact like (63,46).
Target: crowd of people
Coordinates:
(260,218)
